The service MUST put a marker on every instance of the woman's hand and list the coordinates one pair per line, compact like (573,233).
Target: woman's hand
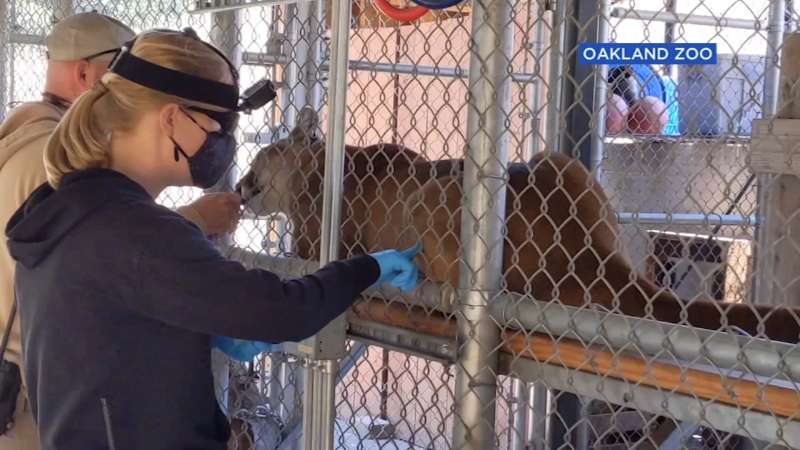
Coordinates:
(215,214)
(398,268)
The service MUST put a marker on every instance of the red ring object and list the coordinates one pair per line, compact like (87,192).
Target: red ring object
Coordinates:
(404,15)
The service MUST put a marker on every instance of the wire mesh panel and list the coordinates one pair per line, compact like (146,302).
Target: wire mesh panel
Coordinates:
(599,261)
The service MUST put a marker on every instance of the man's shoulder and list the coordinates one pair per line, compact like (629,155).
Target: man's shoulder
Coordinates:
(34,111)
(28,114)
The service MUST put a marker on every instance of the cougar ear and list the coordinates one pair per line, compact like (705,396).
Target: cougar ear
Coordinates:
(307,123)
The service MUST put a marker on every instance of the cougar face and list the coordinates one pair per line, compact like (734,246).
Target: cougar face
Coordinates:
(282,171)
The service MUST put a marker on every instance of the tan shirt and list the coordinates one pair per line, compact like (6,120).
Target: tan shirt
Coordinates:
(23,137)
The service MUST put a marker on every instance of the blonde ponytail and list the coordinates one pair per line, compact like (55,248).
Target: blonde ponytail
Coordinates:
(79,141)
(82,140)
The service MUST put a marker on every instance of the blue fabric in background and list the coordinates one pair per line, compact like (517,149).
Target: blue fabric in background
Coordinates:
(671,100)
(242,350)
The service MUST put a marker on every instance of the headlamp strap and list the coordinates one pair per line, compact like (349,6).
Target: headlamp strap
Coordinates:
(175,83)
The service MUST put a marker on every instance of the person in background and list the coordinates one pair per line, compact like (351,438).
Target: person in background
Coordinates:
(119,298)
(79,50)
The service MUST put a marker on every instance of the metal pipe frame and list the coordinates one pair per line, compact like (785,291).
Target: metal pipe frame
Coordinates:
(692,19)
(433,348)
(669,37)
(317,49)
(761,291)
(262,59)
(275,385)
(545,376)
(210,6)
(772,67)
(325,404)
(319,401)
(483,221)
(680,407)
(538,48)
(657,339)
(600,93)
(299,76)
(310,393)
(662,218)
(224,34)
(292,92)
(517,414)
(555,89)
(538,415)
(336,132)
(619,332)
(25,38)
(702,219)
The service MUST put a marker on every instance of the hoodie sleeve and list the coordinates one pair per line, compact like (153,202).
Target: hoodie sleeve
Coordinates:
(182,280)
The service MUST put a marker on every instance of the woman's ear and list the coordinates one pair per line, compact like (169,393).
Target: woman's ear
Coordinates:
(167,117)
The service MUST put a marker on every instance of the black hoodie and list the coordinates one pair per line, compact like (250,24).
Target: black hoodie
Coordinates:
(118,298)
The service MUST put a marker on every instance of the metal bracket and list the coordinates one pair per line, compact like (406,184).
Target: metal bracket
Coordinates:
(209,6)
(404,341)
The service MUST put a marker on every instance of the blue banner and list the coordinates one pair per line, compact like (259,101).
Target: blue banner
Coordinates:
(614,53)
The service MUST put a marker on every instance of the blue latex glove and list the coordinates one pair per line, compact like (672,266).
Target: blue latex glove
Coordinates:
(239,349)
(398,268)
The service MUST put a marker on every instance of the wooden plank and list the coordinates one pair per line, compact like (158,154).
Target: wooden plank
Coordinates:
(776,153)
(755,394)
(789,97)
(779,241)
(772,127)
(775,157)
(709,386)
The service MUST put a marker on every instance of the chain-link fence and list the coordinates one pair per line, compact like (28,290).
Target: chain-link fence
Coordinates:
(606,266)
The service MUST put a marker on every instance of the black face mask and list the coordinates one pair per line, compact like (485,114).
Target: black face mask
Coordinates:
(213,157)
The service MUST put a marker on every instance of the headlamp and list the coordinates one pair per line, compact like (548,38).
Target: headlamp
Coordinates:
(190,87)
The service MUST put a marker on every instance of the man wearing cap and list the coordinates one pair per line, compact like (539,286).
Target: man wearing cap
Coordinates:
(79,50)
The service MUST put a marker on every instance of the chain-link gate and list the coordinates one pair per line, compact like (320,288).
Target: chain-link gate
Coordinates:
(647,302)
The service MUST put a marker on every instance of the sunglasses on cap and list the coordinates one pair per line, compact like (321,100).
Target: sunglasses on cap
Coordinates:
(103,53)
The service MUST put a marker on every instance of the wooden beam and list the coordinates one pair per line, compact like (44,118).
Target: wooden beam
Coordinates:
(775,158)
(746,392)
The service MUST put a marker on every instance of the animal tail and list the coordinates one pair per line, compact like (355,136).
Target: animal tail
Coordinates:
(776,323)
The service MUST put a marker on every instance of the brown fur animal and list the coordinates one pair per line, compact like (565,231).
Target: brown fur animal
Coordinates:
(562,238)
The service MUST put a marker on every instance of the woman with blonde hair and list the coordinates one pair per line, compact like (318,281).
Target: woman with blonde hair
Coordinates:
(119,298)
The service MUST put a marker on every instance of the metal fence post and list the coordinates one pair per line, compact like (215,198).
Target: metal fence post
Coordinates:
(318,401)
(483,221)
(518,414)
(537,418)
(556,80)
(224,31)
(538,48)
(302,30)
(225,35)
(600,92)
(762,282)
(772,68)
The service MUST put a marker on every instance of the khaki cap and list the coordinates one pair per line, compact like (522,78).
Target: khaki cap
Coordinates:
(85,35)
